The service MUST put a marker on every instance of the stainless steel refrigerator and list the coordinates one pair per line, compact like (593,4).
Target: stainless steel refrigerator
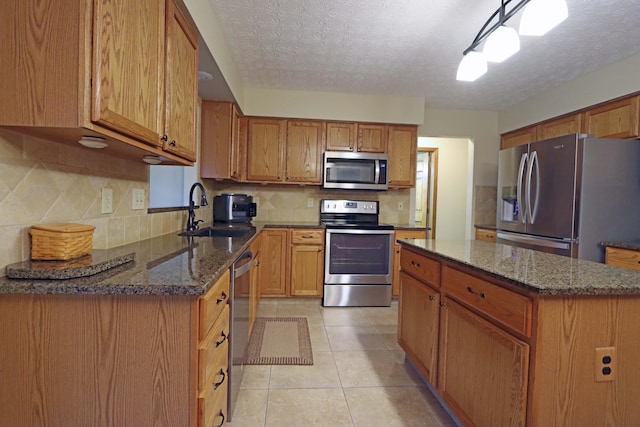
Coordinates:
(564,195)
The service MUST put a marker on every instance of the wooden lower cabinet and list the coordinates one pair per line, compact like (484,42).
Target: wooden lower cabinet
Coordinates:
(619,257)
(273,264)
(402,234)
(418,325)
(306,263)
(486,235)
(507,357)
(483,370)
(105,360)
(254,282)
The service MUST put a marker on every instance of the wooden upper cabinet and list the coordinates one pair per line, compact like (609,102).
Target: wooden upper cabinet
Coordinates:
(617,119)
(519,137)
(402,148)
(304,146)
(181,85)
(222,139)
(128,67)
(372,138)
(562,126)
(341,136)
(265,149)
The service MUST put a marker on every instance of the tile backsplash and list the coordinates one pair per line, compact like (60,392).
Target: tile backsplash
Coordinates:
(484,208)
(43,182)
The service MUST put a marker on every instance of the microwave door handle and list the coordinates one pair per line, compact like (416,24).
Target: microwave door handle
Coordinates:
(521,206)
(377,173)
(534,209)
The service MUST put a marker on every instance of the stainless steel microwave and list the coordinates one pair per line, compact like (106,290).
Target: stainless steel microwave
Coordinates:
(355,171)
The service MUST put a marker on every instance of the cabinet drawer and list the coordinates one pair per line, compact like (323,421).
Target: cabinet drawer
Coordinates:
(421,267)
(212,303)
(626,258)
(213,352)
(307,237)
(507,307)
(486,235)
(411,234)
(212,406)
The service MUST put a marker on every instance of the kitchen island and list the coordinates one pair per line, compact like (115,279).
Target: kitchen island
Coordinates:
(510,336)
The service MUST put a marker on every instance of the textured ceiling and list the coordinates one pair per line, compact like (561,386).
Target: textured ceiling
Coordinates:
(413,47)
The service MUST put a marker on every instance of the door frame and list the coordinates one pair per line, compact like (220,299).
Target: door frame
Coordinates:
(433,183)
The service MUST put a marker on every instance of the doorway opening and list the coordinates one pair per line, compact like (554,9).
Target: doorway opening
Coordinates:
(426,189)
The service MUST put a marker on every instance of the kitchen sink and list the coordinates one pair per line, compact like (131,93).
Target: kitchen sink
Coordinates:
(219,232)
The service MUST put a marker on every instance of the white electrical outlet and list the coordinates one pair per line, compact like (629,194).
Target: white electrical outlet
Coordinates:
(400,206)
(107,200)
(309,202)
(138,199)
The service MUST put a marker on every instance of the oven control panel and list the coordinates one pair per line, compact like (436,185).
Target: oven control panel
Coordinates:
(349,206)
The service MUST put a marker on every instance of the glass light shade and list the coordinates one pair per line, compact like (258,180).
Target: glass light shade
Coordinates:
(501,44)
(540,16)
(472,66)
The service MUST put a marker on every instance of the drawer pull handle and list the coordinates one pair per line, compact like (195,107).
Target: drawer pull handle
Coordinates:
(224,338)
(478,294)
(431,297)
(415,264)
(221,414)
(307,237)
(222,298)
(218,384)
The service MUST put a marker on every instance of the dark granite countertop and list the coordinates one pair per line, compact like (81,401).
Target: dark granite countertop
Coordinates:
(535,271)
(634,246)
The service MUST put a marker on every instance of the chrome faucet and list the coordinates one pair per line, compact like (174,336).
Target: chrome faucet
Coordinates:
(192,224)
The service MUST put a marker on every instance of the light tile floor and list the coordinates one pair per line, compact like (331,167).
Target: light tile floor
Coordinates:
(359,376)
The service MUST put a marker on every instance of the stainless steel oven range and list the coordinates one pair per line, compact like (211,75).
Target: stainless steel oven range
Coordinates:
(358,254)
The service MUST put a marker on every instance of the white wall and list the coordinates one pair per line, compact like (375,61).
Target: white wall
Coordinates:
(454,194)
(612,81)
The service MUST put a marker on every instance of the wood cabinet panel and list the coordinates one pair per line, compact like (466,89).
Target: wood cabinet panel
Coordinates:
(273,271)
(372,138)
(265,149)
(307,270)
(619,257)
(418,324)
(486,235)
(213,350)
(509,308)
(217,120)
(307,237)
(181,85)
(341,136)
(402,149)
(128,67)
(483,371)
(304,147)
(402,234)
(617,119)
(561,126)
(212,303)
(519,137)
(426,269)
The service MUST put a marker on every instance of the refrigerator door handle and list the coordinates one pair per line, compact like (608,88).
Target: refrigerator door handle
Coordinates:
(534,241)
(523,208)
(533,210)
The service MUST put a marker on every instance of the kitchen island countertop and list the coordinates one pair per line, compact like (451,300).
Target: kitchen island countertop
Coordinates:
(534,271)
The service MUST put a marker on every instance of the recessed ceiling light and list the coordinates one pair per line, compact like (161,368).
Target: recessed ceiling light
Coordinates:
(92,142)
(152,160)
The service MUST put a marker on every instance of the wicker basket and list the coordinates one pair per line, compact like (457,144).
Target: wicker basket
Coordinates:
(60,241)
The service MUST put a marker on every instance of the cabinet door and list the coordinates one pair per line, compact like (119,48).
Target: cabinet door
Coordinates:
(402,147)
(418,326)
(265,149)
(305,142)
(181,86)
(395,284)
(617,119)
(274,262)
(483,371)
(518,137)
(128,68)
(562,126)
(215,139)
(341,136)
(238,144)
(372,138)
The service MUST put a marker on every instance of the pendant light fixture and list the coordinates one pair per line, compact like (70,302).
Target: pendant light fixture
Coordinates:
(501,41)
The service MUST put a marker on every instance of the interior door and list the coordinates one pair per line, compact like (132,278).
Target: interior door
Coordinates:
(552,176)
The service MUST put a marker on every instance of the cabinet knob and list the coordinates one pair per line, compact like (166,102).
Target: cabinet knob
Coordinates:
(164,138)
(173,143)
(287,178)
(350,148)
(442,304)
(431,297)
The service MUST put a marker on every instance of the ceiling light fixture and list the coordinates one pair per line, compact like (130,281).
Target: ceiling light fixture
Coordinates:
(538,18)
(92,141)
(152,160)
